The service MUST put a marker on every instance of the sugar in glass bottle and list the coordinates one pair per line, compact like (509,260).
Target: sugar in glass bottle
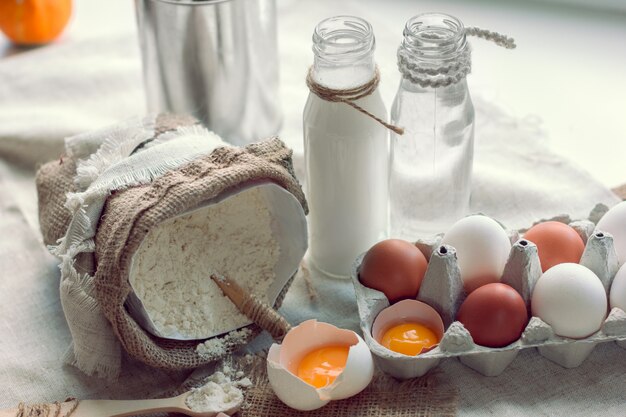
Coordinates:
(346,151)
(431,164)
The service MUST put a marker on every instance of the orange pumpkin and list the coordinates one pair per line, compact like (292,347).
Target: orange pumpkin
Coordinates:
(34,22)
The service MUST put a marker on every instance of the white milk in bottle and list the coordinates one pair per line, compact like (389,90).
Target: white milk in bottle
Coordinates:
(346,151)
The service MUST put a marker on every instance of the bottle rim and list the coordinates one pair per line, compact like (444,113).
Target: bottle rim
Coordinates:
(342,38)
(434,36)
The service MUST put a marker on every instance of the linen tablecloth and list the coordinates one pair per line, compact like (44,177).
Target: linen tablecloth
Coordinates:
(49,93)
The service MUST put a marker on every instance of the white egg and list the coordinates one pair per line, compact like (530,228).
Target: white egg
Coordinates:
(482,249)
(283,361)
(571,299)
(614,222)
(617,295)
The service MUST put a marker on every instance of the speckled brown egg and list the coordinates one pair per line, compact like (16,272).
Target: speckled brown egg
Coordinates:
(395,267)
(494,314)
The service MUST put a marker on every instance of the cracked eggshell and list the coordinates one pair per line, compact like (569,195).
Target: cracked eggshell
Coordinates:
(283,361)
(407,311)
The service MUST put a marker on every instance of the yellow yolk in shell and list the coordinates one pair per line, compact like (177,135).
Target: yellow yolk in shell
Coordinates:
(321,366)
(409,338)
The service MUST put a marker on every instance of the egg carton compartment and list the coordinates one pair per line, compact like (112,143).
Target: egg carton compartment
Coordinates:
(442,289)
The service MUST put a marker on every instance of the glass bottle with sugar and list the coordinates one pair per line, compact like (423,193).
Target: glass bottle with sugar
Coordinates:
(346,146)
(431,164)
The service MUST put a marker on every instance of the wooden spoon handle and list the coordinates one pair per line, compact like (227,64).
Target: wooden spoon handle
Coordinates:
(110,408)
(119,408)
(124,408)
(266,318)
(256,310)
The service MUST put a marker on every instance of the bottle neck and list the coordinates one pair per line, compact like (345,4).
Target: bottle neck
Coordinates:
(343,48)
(434,39)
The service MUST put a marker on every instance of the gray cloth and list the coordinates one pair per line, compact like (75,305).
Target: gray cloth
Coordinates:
(517,180)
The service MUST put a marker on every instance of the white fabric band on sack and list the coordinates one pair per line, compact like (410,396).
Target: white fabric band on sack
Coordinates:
(115,165)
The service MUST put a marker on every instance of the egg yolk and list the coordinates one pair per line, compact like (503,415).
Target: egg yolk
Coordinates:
(409,338)
(322,366)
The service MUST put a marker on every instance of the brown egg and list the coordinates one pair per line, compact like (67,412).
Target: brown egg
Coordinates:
(557,243)
(494,314)
(394,267)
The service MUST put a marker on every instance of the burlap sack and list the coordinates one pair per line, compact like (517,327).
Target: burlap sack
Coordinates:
(56,178)
(127,217)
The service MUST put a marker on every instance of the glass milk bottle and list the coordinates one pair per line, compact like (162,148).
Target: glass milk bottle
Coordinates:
(346,151)
(431,168)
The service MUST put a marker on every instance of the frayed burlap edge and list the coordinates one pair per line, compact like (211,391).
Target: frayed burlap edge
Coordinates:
(130,214)
(95,349)
(55,179)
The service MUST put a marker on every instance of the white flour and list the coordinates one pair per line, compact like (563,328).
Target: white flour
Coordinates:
(172,267)
(219,393)
(218,346)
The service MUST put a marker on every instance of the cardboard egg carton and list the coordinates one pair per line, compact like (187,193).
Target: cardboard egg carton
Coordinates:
(442,288)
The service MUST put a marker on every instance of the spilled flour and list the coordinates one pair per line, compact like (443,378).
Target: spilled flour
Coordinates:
(217,347)
(171,269)
(219,393)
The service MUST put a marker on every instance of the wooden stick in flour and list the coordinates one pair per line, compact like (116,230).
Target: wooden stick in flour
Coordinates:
(256,310)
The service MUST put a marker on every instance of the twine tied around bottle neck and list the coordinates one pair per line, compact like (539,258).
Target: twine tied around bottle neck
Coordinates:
(426,75)
(350,95)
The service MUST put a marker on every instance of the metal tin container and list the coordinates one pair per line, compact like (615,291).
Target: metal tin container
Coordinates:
(214,59)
